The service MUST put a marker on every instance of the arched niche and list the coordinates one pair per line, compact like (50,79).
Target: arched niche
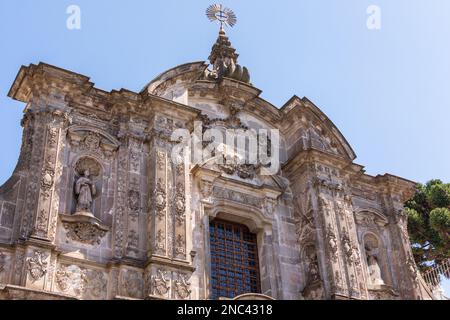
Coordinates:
(376,262)
(82,223)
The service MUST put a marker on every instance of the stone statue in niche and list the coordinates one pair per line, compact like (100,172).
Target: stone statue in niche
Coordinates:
(313,268)
(374,266)
(85,191)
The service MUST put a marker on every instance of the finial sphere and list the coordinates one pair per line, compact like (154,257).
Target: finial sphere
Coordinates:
(217,12)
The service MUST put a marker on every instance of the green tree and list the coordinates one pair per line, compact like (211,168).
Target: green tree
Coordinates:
(429,223)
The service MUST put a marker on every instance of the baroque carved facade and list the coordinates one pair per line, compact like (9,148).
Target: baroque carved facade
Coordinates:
(97,209)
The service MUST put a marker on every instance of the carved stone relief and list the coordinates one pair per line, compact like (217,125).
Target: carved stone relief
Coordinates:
(81,282)
(37,265)
(91,141)
(132,283)
(182,286)
(370,220)
(160,283)
(160,199)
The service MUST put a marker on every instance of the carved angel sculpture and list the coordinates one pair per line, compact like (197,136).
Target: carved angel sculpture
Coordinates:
(85,190)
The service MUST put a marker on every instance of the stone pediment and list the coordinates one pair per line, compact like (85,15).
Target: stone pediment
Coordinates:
(306,127)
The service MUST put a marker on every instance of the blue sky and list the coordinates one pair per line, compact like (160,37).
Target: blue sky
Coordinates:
(387,90)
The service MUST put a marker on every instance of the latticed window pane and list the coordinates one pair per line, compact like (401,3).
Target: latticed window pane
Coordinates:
(234,260)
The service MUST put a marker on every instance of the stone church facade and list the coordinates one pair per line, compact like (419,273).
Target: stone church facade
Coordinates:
(97,209)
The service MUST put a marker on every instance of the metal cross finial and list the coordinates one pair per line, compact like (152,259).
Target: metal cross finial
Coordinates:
(225,16)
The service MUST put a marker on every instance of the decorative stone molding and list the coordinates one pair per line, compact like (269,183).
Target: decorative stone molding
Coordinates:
(84,228)
(37,265)
(227,194)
